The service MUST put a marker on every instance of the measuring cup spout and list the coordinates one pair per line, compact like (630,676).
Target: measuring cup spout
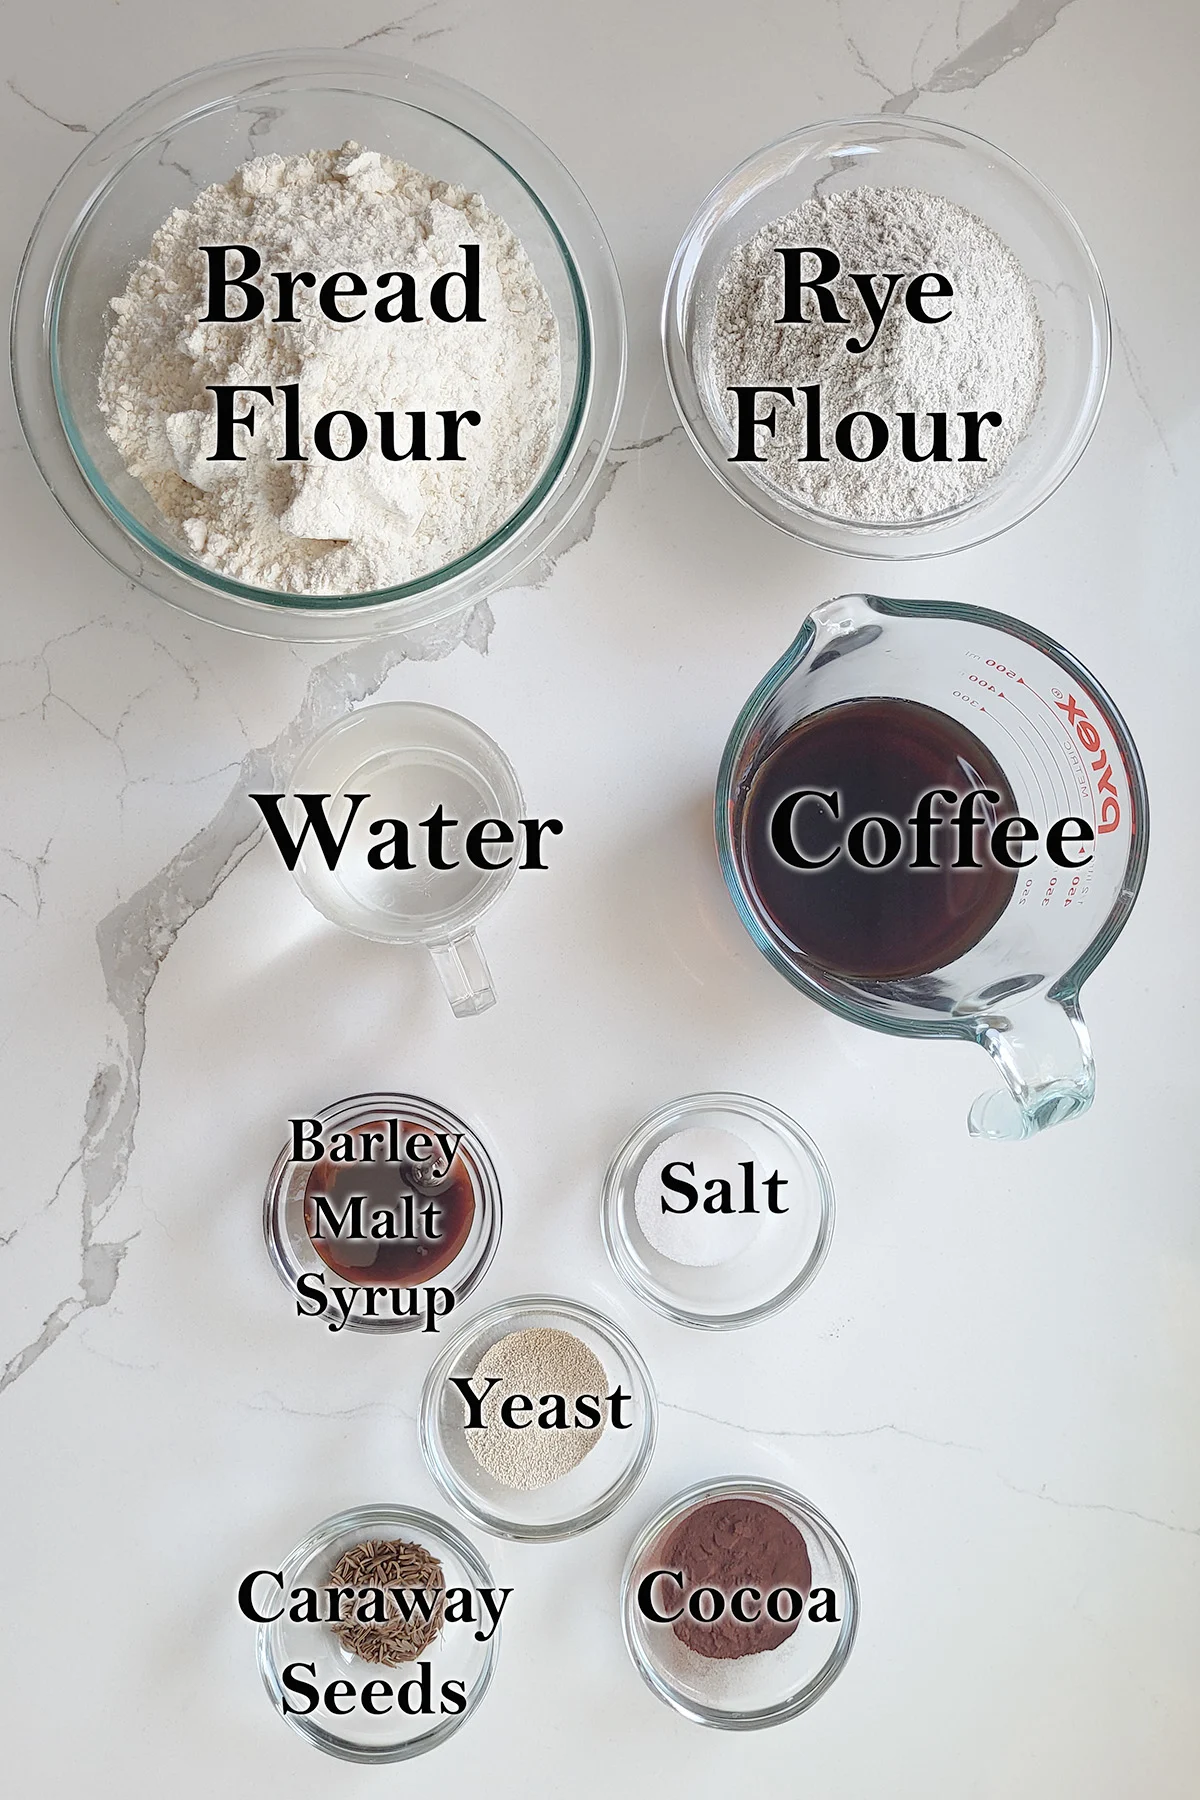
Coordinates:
(1045,1055)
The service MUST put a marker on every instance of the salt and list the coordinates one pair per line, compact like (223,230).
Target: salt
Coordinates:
(698,1237)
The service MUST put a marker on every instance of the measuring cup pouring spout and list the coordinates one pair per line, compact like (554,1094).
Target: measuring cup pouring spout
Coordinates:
(993,694)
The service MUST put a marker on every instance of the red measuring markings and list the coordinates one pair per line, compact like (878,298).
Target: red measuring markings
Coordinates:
(1076,763)
(1089,737)
(1086,733)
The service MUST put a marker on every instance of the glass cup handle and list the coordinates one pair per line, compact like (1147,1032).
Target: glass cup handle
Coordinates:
(1045,1056)
(465,975)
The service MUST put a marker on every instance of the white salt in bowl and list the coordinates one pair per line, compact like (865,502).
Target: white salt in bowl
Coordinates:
(159,155)
(888,152)
(766,1269)
(589,1492)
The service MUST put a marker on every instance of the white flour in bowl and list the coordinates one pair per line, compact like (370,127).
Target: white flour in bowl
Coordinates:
(323,526)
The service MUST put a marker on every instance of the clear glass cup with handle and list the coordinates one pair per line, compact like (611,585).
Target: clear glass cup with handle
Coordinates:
(409,759)
(1065,751)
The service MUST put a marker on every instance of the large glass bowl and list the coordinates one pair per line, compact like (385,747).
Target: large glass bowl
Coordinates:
(877,151)
(160,155)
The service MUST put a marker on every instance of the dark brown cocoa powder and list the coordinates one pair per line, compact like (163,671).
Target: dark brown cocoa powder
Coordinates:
(734,1543)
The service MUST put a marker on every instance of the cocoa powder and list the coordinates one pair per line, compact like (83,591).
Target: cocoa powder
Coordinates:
(735,1543)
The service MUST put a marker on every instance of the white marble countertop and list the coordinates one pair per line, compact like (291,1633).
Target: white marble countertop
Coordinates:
(990,1390)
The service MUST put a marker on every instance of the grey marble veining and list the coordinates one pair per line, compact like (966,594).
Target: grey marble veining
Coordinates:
(135,937)
(989,1389)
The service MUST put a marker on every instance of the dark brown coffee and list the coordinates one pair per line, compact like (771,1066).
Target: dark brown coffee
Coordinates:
(412,1225)
(877,757)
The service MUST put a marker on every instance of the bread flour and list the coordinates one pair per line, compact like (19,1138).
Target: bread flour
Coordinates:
(323,527)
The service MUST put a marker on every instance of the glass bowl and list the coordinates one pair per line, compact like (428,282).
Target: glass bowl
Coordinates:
(777,1263)
(159,155)
(391,1736)
(590,1491)
(291,1248)
(742,1693)
(900,152)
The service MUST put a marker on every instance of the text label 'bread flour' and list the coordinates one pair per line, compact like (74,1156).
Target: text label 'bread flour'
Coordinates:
(341,435)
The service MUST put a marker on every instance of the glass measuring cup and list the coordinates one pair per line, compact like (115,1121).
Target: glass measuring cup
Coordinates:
(1065,751)
(409,758)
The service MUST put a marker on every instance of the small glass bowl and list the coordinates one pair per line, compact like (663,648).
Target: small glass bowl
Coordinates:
(291,1248)
(159,155)
(748,1692)
(393,1736)
(877,151)
(778,1263)
(592,1490)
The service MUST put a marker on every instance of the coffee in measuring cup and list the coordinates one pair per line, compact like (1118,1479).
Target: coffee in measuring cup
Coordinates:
(883,839)
(989,838)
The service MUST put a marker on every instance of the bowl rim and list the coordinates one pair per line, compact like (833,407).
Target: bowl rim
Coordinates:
(891,540)
(573,465)
(508,1312)
(774,1493)
(621,1168)
(422,1524)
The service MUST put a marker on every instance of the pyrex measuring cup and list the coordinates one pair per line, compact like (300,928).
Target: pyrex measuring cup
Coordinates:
(409,759)
(1065,751)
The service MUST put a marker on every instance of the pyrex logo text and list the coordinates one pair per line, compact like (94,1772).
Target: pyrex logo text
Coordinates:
(1089,737)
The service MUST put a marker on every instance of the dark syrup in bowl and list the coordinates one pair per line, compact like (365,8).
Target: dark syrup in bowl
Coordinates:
(432,1217)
